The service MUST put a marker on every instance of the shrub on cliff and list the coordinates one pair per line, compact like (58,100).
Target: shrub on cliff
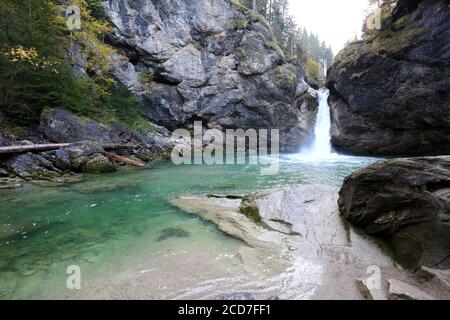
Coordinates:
(43,64)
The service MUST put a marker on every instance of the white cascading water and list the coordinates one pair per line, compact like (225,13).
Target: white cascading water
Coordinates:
(321,148)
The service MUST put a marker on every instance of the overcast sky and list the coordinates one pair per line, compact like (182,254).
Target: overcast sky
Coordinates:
(335,22)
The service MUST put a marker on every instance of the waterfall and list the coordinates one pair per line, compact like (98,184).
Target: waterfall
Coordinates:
(321,148)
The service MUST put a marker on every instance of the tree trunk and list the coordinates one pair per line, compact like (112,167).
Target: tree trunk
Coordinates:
(32,148)
(56,146)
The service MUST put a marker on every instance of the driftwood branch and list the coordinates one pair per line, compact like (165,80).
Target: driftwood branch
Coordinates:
(117,158)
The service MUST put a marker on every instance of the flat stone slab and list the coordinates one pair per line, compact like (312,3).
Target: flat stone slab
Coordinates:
(299,248)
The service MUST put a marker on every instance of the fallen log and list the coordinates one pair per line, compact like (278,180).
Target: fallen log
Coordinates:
(55,146)
(32,148)
(117,158)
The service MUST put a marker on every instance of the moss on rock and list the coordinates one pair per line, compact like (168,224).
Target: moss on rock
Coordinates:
(98,164)
(250,210)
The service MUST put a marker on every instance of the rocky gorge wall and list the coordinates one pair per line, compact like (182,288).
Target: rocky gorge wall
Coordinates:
(210,61)
(213,61)
(390,92)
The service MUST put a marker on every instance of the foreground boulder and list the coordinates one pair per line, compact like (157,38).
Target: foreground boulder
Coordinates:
(390,92)
(407,203)
(214,61)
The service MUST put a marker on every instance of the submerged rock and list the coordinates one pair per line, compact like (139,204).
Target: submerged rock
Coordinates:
(407,203)
(173,233)
(390,92)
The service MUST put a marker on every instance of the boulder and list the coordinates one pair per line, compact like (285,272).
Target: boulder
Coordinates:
(97,164)
(390,91)
(407,203)
(32,167)
(61,126)
(314,83)
(74,157)
(302,88)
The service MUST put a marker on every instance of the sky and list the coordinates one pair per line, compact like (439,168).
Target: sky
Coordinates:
(335,22)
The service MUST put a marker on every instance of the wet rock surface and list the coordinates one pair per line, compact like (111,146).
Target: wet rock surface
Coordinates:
(215,62)
(322,260)
(405,202)
(390,93)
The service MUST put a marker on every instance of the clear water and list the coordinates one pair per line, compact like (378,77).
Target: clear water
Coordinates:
(109,225)
(116,228)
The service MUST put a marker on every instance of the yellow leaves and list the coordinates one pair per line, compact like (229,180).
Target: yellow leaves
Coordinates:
(5,6)
(21,54)
(313,69)
(98,54)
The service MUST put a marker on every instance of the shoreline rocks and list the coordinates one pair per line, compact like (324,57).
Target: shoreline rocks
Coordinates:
(85,155)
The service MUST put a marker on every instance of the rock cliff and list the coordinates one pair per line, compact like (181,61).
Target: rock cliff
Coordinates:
(213,61)
(390,92)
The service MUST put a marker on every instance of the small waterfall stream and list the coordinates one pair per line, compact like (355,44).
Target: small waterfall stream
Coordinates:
(321,148)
